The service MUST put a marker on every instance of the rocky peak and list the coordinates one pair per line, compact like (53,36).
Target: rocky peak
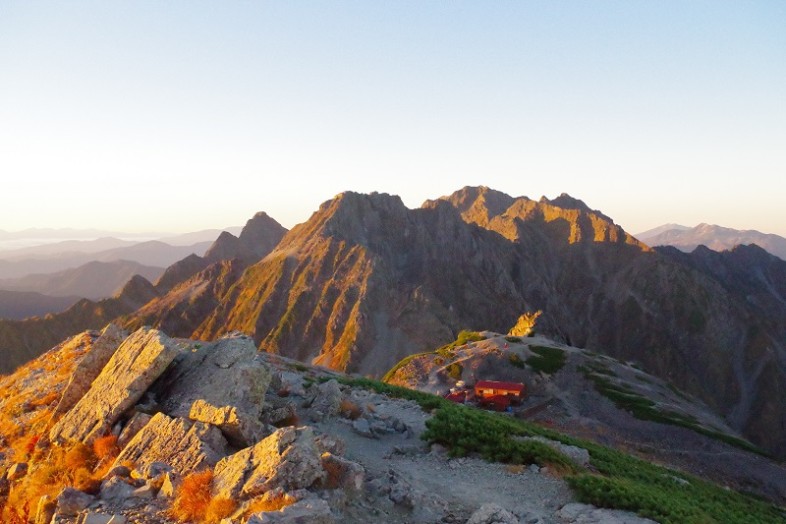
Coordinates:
(261,234)
(476,204)
(138,291)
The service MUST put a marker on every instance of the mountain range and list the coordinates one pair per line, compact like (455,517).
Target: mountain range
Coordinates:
(714,237)
(367,281)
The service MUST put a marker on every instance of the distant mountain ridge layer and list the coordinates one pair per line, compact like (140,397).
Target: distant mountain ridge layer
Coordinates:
(367,281)
(94,280)
(714,237)
(17,305)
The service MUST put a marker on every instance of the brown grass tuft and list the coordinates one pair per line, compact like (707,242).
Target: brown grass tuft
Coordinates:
(193,497)
(80,456)
(349,409)
(106,448)
(292,420)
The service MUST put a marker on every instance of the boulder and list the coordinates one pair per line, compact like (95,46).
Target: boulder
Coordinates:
(362,427)
(90,367)
(307,511)
(331,444)
(133,367)
(328,399)
(239,428)
(184,445)
(278,415)
(226,373)
(71,501)
(116,491)
(288,459)
(342,473)
(492,514)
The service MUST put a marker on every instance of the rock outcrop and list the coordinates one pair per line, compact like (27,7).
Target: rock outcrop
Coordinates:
(133,367)
(90,367)
(184,445)
(220,383)
(287,459)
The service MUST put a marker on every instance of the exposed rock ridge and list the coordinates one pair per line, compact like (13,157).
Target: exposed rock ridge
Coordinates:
(135,365)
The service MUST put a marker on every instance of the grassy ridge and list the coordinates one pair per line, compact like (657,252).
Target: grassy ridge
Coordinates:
(645,409)
(616,481)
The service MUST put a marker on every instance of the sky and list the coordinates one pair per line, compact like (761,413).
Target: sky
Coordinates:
(186,115)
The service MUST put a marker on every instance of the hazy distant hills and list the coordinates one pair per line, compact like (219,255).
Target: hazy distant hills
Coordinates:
(714,237)
(16,305)
(150,253)
(94,280)
(366,281)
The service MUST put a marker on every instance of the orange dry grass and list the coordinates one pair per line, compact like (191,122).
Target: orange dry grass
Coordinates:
(193,497)
(106,447)
(80,456)
(268,503)
(218,509)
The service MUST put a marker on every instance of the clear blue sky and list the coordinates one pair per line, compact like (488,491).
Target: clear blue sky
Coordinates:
(183,115)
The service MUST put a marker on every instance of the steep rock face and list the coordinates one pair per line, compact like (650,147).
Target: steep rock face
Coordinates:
(133,367)
(181,310)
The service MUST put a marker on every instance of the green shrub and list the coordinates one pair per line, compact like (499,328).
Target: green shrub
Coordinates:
(546,359)
(455,370)
(645,409)
(513,340)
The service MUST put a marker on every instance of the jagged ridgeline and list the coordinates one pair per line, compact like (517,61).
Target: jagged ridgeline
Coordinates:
(367,281)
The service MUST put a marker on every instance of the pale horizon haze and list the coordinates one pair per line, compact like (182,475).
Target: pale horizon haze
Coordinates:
(180,116)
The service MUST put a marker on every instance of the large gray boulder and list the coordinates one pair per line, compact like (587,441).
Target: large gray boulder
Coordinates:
(90,367)
(71,501)
(287,459)
(184,445)
(136,364)
(222,383)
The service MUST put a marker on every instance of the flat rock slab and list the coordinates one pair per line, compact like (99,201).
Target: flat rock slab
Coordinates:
(90,367)
(136,364)
(287,459)
(184,445)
